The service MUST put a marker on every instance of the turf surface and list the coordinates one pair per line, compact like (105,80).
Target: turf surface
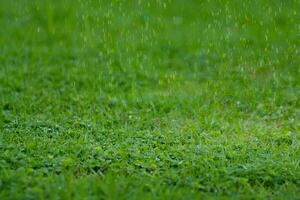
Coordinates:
(153,99)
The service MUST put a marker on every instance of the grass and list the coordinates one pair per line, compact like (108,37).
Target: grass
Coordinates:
(164,99)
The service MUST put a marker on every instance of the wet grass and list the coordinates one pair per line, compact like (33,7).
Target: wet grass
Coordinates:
(149,99)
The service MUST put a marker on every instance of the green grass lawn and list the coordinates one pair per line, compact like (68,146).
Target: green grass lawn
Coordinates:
(161,99)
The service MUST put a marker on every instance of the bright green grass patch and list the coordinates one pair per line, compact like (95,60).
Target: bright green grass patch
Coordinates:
(149,99)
